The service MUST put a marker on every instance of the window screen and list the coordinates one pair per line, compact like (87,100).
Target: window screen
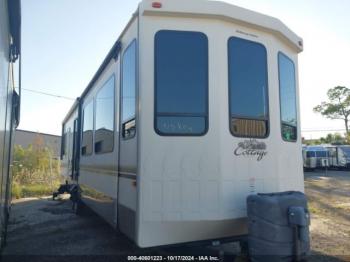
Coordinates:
(248,85)
(104,125)
(181,83)
(129,91)
(287,98)
(88,126)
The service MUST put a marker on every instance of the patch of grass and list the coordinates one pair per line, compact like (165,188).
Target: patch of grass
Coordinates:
(21,191)
(16,191)
(36,190)
(314,210)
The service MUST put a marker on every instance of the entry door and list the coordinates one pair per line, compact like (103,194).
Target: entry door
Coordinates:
(127,170)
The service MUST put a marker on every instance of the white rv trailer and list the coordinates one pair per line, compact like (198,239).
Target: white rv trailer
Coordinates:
(315,157)
(339,156)
(194,108)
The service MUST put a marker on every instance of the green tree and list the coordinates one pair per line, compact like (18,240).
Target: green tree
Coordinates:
(35,171)
(338,139)
(338,106)
(334,139)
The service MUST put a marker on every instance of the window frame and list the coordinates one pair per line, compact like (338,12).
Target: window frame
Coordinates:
(95,112)
(92,102)
(279,96)
(129,120)
(267,98)
(63,141)
(205,115)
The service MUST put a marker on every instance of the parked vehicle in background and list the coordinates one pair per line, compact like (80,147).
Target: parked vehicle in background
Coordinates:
(195,107)
(10,46)
(315,157)
(339,156)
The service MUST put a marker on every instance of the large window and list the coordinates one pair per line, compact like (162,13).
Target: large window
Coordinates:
(287,98)
(181,83)
(104,119)
(129,91)
(88,126)
(248,85)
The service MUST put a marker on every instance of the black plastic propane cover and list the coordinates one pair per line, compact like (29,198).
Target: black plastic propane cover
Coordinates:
(278,226)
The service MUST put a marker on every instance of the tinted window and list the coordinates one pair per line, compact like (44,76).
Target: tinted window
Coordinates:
(287,98)
(310,154)
(88,126)
(104,120)
(247,88)
(181,83)
(321,154)
(129,91)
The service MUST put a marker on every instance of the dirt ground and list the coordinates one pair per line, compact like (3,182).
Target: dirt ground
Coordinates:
(328,193)
(44,230)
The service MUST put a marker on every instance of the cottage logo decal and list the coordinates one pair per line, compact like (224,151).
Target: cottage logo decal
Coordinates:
(251,148)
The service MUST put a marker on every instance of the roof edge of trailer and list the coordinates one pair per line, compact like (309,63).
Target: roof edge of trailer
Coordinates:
(14,10)
(113,53)
(222,11)
(71,110)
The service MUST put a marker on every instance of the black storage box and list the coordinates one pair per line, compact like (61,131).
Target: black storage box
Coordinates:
(278,226)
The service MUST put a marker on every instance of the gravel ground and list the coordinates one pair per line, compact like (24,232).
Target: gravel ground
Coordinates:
(44,230)
(328,193)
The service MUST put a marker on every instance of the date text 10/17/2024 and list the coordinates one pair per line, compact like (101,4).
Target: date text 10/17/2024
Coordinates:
(173,258)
